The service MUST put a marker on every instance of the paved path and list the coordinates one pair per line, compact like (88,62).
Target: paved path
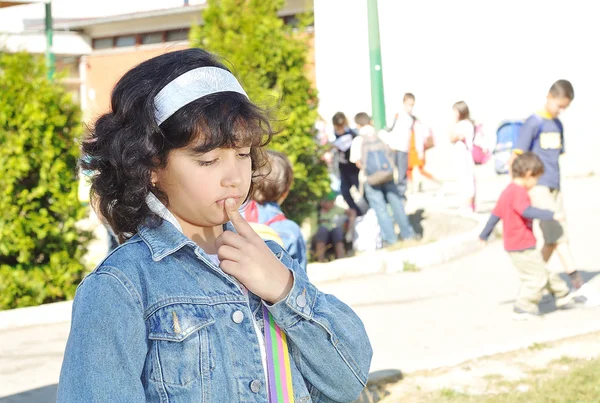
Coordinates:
(461,310)
(436,317)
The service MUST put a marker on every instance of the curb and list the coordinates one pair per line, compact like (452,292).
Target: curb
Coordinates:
(379,262)
(384,262)
(45,314)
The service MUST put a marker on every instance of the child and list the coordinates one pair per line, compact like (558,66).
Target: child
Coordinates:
(177,312)
(543,135)
(515,210)
(331,223)
(461,137)
(397,137)
(420,141)
(379,195)
(269,194)
(348,171)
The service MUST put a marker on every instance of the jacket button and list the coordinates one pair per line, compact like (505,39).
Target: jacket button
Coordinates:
(301,301)
(238,316)
(255,386)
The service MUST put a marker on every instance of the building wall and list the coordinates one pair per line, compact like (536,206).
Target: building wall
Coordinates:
(501,58)
(102,70)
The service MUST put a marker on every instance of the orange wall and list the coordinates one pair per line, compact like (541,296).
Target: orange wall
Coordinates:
(104,69)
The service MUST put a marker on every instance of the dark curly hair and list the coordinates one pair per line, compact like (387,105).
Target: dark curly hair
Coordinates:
(126,144)
(527,163)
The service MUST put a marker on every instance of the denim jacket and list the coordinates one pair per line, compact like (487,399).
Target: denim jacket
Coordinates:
(156,321)
(288,230)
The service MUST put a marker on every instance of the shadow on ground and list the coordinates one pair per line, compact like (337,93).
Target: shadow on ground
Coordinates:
(46,394)
(416,221)
(378,385)
(547,304)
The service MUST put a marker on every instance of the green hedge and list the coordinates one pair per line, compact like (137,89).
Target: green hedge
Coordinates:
(41,248)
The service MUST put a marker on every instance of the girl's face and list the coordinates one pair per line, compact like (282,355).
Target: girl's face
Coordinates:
(198,184)
(456,114)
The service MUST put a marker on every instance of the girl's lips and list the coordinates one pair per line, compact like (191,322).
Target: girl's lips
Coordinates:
(221,202)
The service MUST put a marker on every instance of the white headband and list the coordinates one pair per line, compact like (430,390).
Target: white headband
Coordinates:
(193,85)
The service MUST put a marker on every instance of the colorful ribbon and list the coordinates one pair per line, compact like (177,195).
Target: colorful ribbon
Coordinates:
(278,362)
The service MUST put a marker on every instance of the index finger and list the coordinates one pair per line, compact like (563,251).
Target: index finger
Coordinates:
(239,223)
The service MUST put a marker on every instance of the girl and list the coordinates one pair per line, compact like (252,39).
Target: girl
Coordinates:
(180,310)
(461,136)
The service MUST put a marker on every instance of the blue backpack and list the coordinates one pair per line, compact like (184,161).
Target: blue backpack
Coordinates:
(506,138)
(377,161)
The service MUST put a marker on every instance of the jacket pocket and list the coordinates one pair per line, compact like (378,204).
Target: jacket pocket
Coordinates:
(181,346)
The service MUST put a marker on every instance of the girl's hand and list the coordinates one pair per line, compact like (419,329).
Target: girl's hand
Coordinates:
(246,257)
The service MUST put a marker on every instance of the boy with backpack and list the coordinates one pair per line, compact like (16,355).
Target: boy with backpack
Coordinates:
(264,213)
(374,158)
(542,134)
(516,212)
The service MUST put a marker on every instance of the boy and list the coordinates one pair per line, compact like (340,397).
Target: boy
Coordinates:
(543,135)
(268,194)
(397,138)
(379,195)
(515,210)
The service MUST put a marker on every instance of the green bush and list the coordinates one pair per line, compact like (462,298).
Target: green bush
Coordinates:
(41,248)
(270,59)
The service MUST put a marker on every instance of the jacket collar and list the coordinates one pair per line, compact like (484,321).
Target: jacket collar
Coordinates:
(166,238)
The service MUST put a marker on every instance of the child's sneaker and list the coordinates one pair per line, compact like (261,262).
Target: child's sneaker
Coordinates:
(587,296)
(566,301)
(521,314)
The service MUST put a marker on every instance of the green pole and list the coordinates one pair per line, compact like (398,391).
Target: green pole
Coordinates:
(377,97)
(50,60)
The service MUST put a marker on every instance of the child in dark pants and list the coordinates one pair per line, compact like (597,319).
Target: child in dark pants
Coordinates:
(332,221)
(515,210)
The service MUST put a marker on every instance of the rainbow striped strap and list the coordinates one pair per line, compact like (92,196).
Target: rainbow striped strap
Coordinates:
(278,362)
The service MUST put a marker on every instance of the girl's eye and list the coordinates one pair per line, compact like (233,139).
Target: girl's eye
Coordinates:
(206,163)
(244,155)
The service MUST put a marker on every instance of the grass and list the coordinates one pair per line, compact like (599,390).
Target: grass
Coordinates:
(564,360)
(451,394)
(580,385)
(411,267)
(538,371)
(493,377)
(538,346)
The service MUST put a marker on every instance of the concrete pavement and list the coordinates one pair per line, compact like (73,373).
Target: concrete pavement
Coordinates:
(461,310)
(438,316)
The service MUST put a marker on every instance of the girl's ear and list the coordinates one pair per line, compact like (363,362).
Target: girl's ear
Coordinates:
(153,178)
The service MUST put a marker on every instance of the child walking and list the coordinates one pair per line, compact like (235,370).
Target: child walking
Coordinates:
(515,210)
(543,135)
(194,305)
(461,137)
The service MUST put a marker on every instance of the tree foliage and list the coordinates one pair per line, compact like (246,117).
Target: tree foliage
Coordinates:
(270,59)
(41,248)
